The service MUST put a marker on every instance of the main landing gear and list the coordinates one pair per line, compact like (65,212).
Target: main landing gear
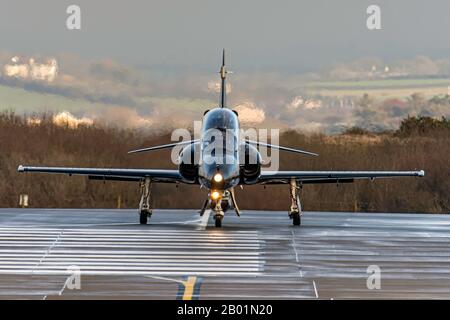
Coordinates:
(295,213)
(145,210)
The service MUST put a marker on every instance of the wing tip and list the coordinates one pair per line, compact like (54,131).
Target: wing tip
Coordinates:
(421,173)
(308,153)
(141,150)
(21,168)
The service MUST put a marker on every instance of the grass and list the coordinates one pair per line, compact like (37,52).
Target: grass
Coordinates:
(382,83)
(386,88)
(21,100)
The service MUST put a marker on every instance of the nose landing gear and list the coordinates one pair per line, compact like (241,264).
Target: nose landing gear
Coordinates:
(218,213)
(218,220)
(219,204)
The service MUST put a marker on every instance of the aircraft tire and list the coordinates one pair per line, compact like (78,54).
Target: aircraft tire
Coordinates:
(143,216)
(296,219)
(218,221)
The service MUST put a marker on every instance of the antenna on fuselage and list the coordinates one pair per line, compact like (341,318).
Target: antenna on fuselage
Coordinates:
(223,75)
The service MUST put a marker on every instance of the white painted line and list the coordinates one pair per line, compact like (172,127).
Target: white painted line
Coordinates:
(144,251)
(60,292)
(49,249)
(141,232)
(131,266)
(114,232)
(122,236)
(135,273)
(178,259)
(165,279)
(296,255)
(64,286)
(175,245)
(205,218)
(315,290)
(134,254)
(253,266)
(138,253)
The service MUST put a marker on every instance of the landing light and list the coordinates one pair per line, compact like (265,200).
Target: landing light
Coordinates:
(218,177)
(215,195)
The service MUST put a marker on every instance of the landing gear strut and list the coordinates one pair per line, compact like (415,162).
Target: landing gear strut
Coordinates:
(295,213)
(203,209)
(218,211)
(233,200)
(218,214)
(145,211)
(219,204)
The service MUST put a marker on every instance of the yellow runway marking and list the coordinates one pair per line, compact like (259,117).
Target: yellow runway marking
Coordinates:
(189,288)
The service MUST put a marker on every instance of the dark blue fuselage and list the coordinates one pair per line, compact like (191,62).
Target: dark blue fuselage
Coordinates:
(219,149)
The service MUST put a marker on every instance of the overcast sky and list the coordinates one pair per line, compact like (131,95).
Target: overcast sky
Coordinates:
(258,34)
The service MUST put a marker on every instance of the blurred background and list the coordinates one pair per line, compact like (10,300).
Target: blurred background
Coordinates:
(313,69)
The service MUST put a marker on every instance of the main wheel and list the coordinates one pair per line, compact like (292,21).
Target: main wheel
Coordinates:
(296,219)
(143,216)
(218,221)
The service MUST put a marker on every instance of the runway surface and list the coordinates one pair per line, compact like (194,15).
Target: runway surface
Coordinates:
(96,254)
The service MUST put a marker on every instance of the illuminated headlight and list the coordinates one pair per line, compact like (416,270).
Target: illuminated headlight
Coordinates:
(215,195)
(218,177)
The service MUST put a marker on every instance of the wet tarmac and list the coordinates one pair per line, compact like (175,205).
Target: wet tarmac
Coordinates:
(106,254)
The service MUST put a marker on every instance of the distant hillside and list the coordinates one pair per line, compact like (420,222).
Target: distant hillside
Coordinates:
(365,93)
(171,110)
(381,89)
(26,101)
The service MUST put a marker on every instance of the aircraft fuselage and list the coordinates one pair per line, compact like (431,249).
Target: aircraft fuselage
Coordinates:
(219,150)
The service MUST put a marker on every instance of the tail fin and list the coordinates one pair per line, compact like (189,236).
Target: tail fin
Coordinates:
(223,75)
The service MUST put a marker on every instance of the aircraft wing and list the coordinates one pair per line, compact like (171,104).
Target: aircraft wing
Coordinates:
(273,146)
(157,175)
(164,146)
(309,177)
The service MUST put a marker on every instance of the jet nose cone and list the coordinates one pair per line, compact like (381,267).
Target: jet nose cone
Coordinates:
(218,177)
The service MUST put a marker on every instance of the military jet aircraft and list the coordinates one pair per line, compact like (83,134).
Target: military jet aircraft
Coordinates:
(231,162)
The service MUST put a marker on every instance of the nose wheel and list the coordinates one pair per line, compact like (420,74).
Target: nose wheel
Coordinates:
(218,213)
(218,221)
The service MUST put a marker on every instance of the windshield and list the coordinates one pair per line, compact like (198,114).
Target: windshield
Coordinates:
(220,119)
(220,136)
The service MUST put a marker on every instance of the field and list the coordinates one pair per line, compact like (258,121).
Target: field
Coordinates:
(21,100)
(385,88)
(26,101)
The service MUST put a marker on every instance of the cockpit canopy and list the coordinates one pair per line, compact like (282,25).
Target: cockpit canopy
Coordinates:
(220,118)
(220,135)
